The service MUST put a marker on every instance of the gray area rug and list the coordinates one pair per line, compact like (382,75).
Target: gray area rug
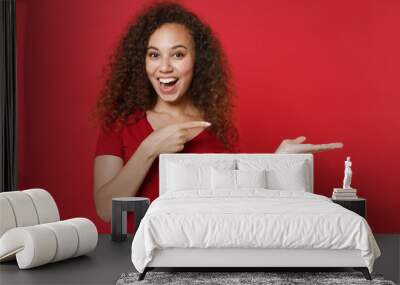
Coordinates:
(269,278)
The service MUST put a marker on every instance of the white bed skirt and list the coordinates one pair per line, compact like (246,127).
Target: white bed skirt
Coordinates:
(212,257)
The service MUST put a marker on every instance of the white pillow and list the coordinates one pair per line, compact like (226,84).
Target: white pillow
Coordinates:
(236,179)
(187,175)
(251,178)
(188,178)
(223,179)
(281,174)
(290,179)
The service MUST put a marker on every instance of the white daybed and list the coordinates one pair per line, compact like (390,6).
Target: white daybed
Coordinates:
(202,220)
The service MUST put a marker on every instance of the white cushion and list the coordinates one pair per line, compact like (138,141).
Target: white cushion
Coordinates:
(87,235)
(66,237)
(290,179)
(235,179)
(26,208)
(46,207)
(40,244)
(223,179)
(282,174)
(186,178)
(251,178)
(193,176)
(31,246)
(23,208)
(7,218)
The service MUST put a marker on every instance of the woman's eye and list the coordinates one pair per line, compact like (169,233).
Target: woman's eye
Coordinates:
(179,55)
(153,55)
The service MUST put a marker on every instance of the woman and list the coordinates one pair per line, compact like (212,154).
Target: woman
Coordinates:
(167,91)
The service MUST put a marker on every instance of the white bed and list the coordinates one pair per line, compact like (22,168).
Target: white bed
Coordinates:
(247,210)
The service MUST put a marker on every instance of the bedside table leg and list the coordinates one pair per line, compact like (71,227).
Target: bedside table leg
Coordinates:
(118,222)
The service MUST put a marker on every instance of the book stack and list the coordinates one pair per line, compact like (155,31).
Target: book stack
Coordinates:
(344,194)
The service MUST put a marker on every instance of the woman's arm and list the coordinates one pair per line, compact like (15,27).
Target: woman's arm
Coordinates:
(112,179)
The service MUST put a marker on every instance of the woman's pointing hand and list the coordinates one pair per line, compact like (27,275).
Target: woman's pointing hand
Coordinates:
(172,138)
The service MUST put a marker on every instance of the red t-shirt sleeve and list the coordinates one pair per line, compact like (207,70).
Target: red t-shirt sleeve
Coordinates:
(109,143)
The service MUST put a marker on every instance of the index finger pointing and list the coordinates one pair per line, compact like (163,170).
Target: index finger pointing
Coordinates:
(193,124)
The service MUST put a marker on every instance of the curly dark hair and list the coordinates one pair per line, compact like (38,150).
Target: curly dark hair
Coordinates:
(128,90)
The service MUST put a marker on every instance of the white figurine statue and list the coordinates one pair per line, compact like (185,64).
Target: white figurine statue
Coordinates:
(347,174)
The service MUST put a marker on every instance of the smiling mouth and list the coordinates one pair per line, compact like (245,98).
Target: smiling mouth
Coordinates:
(168,82)
(168,85)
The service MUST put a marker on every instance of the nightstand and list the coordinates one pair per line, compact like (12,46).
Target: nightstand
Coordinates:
(358,205)
(120,207)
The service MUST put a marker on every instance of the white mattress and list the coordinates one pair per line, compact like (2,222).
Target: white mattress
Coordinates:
(250,218)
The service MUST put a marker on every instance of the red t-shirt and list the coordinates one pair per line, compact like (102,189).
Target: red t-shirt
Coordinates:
(125,142)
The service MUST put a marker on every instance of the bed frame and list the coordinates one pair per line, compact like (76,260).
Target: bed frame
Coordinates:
(242,259)
(246,258)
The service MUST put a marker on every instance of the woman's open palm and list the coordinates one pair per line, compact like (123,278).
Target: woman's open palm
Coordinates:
(297,146)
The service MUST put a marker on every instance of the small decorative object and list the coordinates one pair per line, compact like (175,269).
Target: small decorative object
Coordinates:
(347,174)
(347,192)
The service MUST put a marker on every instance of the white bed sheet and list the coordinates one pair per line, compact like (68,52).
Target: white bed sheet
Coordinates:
(250,218)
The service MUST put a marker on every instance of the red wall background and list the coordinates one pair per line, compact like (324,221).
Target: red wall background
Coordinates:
(328,70)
